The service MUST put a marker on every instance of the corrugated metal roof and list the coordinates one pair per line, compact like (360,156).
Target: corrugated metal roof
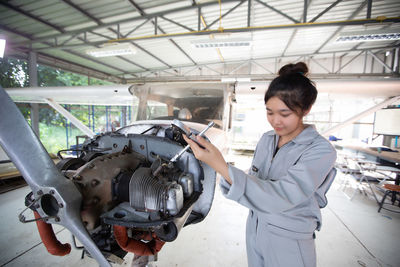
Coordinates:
(76,25)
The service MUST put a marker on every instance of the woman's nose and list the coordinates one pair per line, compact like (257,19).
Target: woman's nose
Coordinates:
(276,120)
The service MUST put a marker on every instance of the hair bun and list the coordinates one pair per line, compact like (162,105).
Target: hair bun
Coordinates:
(299,67)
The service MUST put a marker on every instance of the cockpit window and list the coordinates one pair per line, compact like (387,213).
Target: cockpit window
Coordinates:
(201,103)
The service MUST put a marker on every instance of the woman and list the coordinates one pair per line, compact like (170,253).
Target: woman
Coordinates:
(291,171)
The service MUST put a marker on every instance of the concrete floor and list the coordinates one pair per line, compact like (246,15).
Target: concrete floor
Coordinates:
(353,234)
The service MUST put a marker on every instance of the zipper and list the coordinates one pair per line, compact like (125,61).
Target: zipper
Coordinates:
(274,149)
(275,146)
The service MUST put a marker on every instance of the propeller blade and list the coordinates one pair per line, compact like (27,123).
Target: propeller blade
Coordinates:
(59,197)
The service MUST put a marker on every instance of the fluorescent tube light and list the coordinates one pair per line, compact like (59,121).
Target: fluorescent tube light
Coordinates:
(243,79)
(113,49)
(235,79)
(221,43)
(2,47)
(366,36)
(228,80)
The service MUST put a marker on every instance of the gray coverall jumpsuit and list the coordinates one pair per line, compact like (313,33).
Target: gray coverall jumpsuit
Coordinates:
(284,194)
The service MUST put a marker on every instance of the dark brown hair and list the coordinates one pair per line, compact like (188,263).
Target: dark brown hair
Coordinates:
(293,87)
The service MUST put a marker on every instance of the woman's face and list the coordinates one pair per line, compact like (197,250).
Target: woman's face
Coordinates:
(286,122)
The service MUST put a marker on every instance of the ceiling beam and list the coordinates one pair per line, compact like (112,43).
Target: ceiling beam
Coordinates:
(225,14)
(82,11)
(380,61)
(151,54)
(177,23)
(143,13)
(253,77)
(55,62)
(319,64)
(138,8)
(282,58)
(29,37)
(245,29)
(137,27)
(249,9)
(27,14)
(369,9)
(18,10)
(178,46)
(147,16)
(341,27)
(98,22)
(351,60)
(295,30)
(305,10)
(278,11)
(325,10)
(77,68)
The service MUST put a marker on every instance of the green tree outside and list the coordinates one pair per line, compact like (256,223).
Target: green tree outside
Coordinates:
(52,125)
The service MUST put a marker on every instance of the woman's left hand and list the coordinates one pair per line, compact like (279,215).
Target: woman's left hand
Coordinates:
(209,155)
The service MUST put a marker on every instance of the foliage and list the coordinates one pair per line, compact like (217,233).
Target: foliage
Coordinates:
(54,137)
(52,125)
(13,73)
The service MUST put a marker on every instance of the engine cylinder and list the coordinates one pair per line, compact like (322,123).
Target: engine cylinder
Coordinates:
(147,193)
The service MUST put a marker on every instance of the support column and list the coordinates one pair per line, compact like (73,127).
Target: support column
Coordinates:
(123,117)
(396,61)
(33,82)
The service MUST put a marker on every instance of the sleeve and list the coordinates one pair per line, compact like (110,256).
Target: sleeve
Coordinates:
(280,194)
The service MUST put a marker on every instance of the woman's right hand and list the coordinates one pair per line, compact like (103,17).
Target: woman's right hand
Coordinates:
(209,155)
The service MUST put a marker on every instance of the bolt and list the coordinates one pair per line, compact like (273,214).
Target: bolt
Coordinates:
(115,145)
(52,192)
(57,219)
(78,177)
(40,192)
(94,182)
(61,205)
(95,200)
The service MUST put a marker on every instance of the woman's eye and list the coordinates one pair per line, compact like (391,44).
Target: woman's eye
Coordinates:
(285,115)
(269,114)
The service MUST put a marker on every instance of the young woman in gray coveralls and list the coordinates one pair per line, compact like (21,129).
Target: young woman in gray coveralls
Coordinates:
(291,171)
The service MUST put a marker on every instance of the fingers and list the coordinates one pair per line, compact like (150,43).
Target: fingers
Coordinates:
(204,143)
(193,145)
(186,128)
(188,140)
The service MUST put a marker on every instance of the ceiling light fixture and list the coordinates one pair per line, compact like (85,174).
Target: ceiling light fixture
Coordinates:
(112,49)
(235,79)
(2,47)
(364,36)
(222,43)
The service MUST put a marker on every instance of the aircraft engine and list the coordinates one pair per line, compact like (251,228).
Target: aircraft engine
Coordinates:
(133,198)
(126,191)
